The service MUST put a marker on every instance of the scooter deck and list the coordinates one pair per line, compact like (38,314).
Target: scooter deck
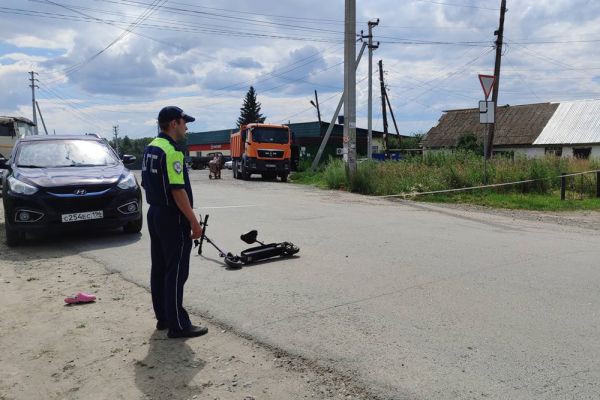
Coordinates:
(262,252)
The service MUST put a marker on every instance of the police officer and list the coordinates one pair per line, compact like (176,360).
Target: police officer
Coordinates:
(170,221)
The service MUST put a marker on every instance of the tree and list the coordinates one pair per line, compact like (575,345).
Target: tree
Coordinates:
(469,142)
(250,111)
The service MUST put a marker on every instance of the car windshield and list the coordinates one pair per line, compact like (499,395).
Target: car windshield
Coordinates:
(270,135)
(65,153)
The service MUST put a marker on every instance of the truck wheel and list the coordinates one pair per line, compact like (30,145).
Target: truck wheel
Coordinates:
(284,177)
(245,173)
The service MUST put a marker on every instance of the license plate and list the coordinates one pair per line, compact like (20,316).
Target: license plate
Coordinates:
(271,166)
(83,216)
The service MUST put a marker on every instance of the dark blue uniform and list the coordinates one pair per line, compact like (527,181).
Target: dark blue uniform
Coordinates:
(163,169)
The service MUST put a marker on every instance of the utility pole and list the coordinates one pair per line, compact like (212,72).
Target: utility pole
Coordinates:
(41,117)
(116,133)
(387,98)
(383,110)
(315,163)
(316,105)
(499,42)
(372,47)
(33,80)
(350,88)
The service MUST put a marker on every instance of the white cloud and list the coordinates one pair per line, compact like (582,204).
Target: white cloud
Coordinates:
(184,58)
(61,39)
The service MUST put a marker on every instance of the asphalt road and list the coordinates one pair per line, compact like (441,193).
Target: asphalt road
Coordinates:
(415,301)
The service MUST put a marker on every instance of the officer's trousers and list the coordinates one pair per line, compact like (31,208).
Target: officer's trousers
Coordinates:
(170,251)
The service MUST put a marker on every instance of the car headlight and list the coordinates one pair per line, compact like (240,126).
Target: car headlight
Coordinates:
(19,187)
(128,182)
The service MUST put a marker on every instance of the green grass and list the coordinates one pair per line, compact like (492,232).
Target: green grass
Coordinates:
(516,201)
(441,171)
(309,178)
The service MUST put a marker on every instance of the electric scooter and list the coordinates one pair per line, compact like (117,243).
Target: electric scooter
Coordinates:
(248,256)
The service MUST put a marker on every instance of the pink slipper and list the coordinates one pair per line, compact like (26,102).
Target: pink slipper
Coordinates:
(80,297)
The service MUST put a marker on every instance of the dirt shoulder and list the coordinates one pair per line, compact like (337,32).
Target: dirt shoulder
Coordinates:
(110,350)
(576,219)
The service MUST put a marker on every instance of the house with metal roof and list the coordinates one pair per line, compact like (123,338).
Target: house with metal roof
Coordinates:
(307,135)
(570,128)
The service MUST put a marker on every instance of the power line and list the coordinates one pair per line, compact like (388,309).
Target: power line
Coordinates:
(81,114)
(77,113)
(178,24)
(307,20)
(155,5)
(448,76)
(458,5)
(224,17)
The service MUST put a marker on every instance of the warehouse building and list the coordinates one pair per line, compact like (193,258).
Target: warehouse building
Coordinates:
(306,135)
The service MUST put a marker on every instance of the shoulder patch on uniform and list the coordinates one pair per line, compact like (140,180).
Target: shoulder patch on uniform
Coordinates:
(177,167)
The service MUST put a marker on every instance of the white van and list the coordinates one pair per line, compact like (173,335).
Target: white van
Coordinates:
(11,130)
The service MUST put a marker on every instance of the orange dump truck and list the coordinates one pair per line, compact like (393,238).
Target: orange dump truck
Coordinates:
(261,149)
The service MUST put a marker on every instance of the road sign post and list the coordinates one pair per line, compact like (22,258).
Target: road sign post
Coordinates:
(486,115)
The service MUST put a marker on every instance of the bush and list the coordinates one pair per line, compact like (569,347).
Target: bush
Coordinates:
(365,180)
(335,174)
(304,165)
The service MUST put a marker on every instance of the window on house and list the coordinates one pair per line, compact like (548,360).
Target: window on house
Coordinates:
(509,154)
(554,151)
(583,152)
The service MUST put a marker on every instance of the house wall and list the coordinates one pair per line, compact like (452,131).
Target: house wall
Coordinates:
(199,150)
(526,151)
(567,151)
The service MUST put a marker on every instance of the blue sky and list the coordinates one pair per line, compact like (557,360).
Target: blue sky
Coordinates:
(203,56)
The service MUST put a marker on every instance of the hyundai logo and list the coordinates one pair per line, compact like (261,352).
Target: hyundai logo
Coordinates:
(80,192)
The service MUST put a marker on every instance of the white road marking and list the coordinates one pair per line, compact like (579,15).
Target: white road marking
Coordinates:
(222,207)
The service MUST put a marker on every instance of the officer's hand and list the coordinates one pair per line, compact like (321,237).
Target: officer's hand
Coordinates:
(196,230)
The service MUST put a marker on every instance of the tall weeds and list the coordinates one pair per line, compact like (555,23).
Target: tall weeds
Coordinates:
(440,171)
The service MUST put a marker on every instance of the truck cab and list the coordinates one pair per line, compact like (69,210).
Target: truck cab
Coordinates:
(263,149)
(11,130)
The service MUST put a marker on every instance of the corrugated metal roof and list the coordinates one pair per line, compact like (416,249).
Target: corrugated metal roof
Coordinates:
(210,137)
(574,122)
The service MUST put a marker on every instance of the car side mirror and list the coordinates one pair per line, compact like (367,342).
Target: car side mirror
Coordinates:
(3,163)
(128,159)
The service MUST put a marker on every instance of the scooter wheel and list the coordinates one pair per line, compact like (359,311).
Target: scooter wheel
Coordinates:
(290,249)
(234,262)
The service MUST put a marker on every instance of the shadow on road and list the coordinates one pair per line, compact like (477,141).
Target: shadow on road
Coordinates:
(254,264)
(168,369)
(67,243)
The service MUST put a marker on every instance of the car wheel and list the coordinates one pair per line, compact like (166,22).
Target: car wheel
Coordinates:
(134,226)
(13,238)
